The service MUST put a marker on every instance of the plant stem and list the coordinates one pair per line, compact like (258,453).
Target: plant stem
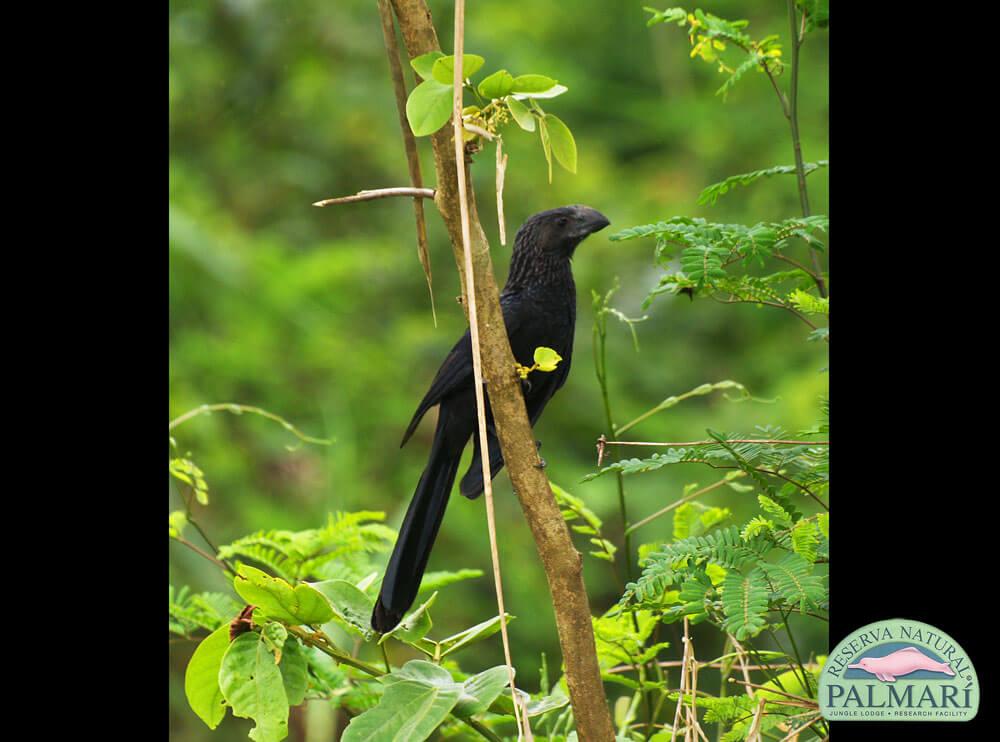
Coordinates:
(792,114)
(601,368)
(239,409)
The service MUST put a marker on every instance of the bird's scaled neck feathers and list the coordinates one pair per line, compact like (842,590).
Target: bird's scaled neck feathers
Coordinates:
(533,265)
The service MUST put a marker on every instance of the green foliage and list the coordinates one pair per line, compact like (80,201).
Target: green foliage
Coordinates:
(186,471)
(744,601)
(711,36)
(711,194)
(269,304)
(190,612)
(499,98)
(340,549)
(201,678)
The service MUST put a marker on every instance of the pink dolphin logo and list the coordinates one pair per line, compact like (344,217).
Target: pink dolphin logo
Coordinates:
(901,662)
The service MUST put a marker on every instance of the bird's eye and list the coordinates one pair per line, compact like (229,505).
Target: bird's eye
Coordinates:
(563,221)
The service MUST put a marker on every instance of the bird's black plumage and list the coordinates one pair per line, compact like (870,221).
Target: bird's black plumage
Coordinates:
(539,309)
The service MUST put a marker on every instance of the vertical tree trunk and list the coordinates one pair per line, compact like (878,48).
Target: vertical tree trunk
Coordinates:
(561,561)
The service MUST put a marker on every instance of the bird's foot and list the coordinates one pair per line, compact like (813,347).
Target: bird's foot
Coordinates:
(541,463)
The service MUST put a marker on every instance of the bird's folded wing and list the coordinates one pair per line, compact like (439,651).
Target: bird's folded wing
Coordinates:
(456,371)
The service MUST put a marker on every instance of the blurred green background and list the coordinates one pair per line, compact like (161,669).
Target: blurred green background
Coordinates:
(322,315)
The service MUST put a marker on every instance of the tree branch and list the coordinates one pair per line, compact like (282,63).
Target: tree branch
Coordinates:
(409,142)
(561,561)
(377,193)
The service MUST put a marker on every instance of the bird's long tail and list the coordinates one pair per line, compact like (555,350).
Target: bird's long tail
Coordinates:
(416,535)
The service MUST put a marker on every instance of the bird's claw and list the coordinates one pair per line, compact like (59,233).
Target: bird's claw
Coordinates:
(541,463)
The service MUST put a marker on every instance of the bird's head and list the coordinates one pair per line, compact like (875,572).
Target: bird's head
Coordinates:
(559,231)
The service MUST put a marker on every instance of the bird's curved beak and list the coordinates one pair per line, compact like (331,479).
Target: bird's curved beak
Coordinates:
(589,221)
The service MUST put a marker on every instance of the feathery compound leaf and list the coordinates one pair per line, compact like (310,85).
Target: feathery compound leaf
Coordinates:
(703,264)
(792,577)
(809,304)
(694,518)
(724,547)
(778,513)
(313,553)
(712,193)
(744,601)
(805,539)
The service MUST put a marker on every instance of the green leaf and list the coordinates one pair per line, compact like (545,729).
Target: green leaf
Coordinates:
(563,144)
(253,686)
(444,67)
(429,107)
(823,521)
(423,64)
(793,578)
(421,671)
(414,626)
(533,84)
(177,521)
(201,678)
(552,92)
(817,13)
(294,671)
(352,606)
(186,471)
(497,85)
(520,114)
(546,359)
(805,539)
(274,634)
(436,580)
(543,132)
(480,691)
(712,193)
(504,704)
(744,601)
(277,599)
(408,710)
(475,633)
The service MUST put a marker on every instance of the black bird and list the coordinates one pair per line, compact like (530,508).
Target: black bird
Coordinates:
(539,309)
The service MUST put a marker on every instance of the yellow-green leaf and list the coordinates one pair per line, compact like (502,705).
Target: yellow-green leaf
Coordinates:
(423,64)
(546,359)
(444,67)
(278,600)
(497,85)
